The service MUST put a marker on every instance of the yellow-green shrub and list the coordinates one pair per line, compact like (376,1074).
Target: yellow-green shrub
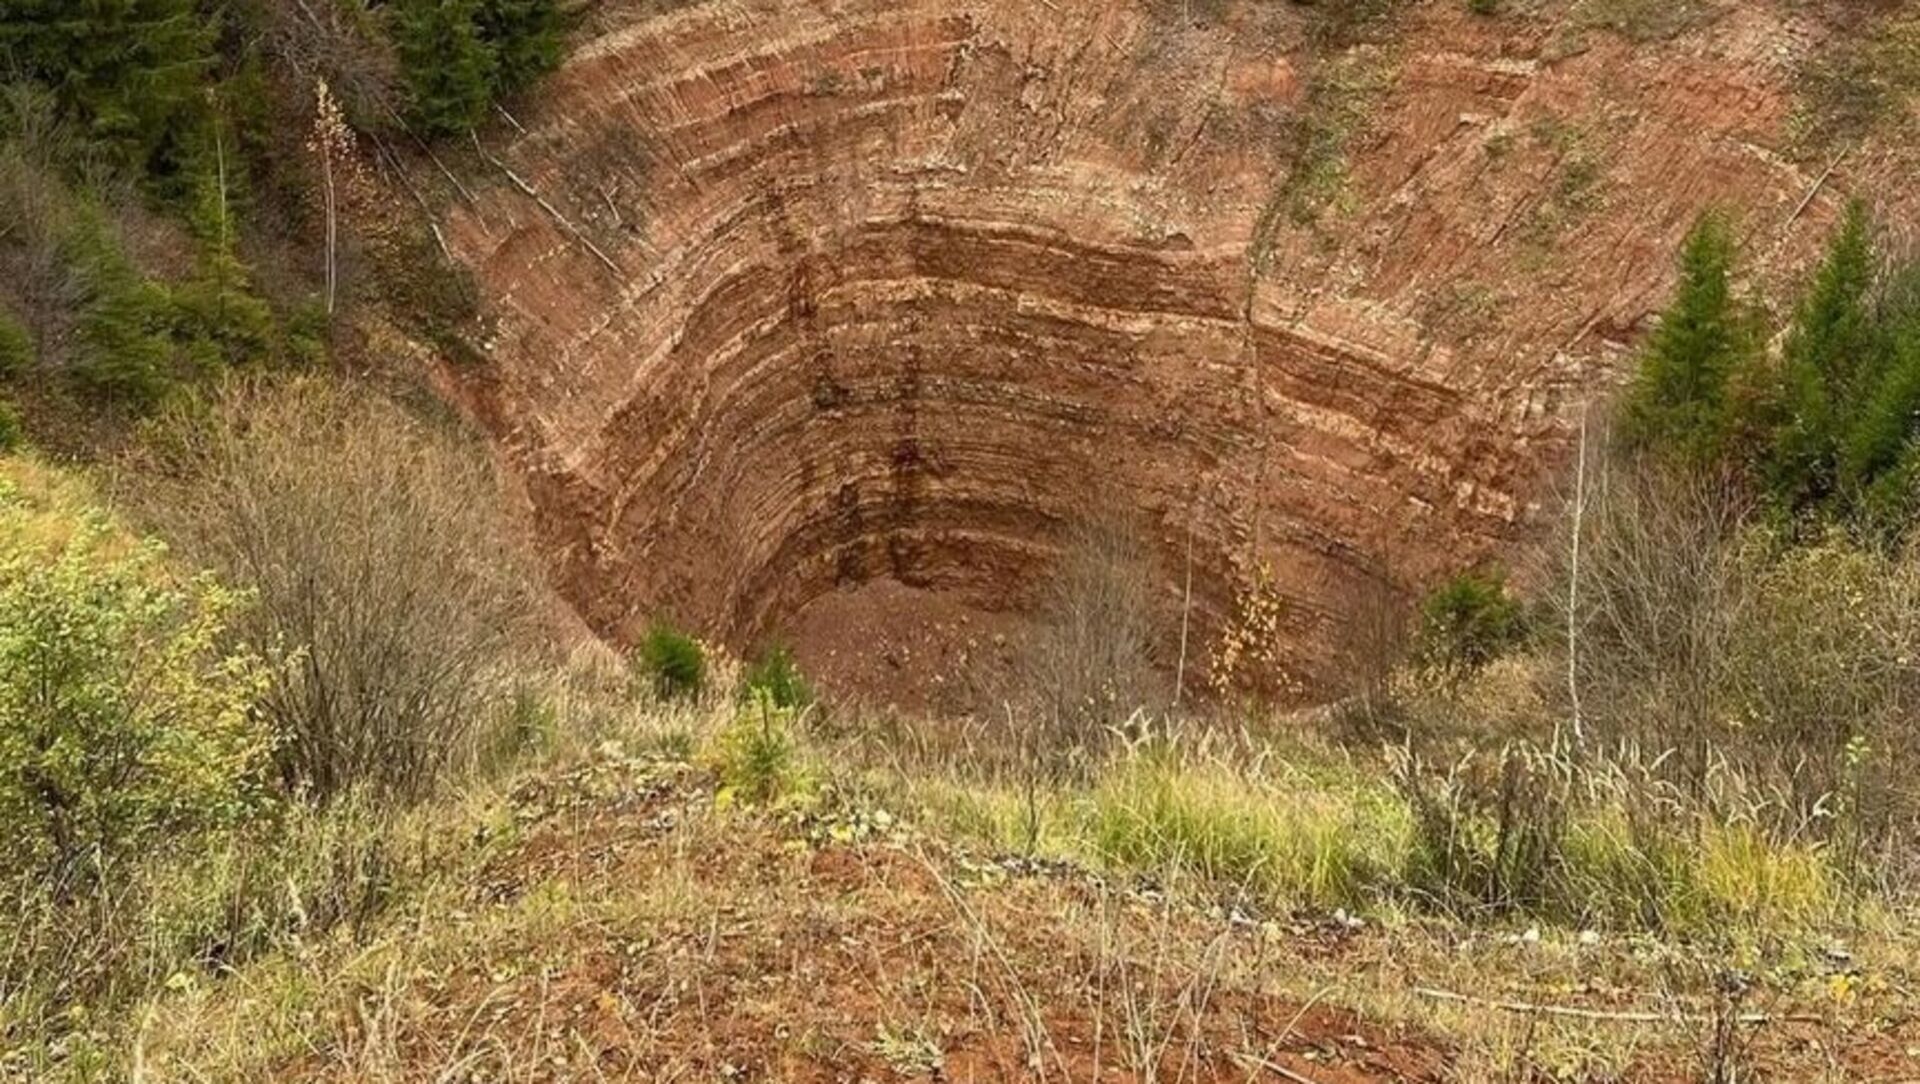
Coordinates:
(758,756)
(125,715)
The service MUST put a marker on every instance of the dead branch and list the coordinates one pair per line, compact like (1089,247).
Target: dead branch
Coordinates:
(552,211)
(1253,1062)
(1818,184)
(1611,1016)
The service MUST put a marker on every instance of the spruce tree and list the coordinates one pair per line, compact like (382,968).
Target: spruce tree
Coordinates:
(449,67)
(525,37)
(122,350)
(223,320)
(1832,366)
(1679,404)
(1878,459)
(128,72)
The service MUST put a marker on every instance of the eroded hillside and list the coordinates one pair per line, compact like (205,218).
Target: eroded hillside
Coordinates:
(789,299)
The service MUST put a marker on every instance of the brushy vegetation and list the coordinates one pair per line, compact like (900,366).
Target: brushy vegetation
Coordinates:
(124,724)
(375,544)
(165,736)
(1700,728)
(1091,661)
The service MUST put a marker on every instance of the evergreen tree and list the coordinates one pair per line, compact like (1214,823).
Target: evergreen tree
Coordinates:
(129,72)
(1879,464)
(525,36)
(450,69)
(222,319)
(1832,366)
(1680,404)
(122,349)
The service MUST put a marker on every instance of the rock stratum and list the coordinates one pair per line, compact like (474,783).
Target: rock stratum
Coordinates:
(788,298)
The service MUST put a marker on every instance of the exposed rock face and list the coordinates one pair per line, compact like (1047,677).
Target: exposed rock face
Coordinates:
(793,296)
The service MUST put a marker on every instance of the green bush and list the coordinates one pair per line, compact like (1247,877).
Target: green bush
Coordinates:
(1468,622)
(673,662)
(126,719)
(776,676)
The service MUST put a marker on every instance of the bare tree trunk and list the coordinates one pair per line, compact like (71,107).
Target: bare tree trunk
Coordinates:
(333,227)
(1186,614)
(1573,587)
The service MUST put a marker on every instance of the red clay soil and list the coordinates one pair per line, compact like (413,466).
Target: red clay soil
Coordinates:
(785,298)
(884,648)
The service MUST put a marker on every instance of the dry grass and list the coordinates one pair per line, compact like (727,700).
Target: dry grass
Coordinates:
(630,926)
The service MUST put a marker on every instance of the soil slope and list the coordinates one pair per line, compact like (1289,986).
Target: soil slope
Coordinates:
(790,298)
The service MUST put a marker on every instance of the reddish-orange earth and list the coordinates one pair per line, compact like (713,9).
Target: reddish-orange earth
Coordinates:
(790,298)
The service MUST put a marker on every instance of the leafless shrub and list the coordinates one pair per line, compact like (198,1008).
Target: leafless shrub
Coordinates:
(1660,596)
(335,41)
(1371,647)
(377,547)
(1090,663)
(1700,634)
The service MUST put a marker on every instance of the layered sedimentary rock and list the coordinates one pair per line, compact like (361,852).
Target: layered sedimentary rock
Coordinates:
(791,297)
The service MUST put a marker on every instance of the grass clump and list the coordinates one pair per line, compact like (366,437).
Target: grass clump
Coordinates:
(674,663)
(1282,840)
(12,430)
(16,347)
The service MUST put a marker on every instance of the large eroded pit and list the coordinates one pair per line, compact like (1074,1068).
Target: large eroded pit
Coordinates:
(794,299)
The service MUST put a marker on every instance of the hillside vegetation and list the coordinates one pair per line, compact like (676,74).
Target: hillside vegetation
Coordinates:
(189,187)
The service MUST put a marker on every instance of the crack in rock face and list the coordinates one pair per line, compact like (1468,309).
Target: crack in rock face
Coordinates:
(792,299)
